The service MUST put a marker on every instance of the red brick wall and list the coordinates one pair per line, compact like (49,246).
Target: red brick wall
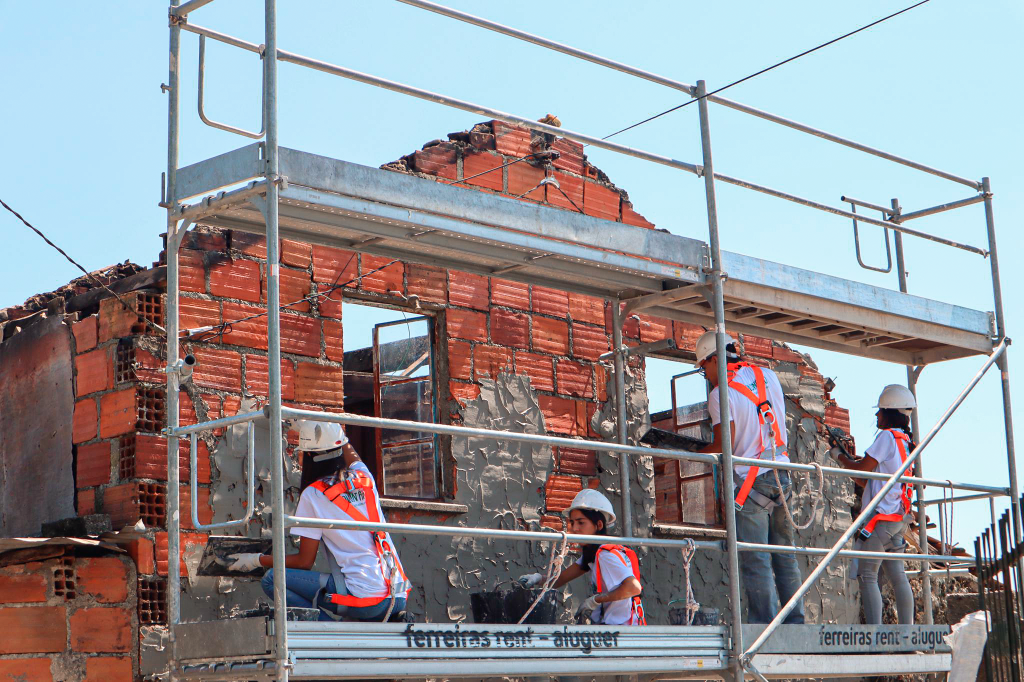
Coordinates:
(551,336)
(68,619)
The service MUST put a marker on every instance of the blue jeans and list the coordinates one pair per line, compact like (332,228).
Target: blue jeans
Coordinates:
(302,588)
(769,579)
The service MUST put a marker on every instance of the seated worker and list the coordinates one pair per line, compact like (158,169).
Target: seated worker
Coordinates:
(367,581)
(884,530)
(616,574)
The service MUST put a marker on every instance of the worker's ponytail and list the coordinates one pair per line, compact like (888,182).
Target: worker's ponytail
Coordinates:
(894,419)
(590,551)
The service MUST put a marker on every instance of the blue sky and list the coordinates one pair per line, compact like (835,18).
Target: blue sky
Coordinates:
(84,136)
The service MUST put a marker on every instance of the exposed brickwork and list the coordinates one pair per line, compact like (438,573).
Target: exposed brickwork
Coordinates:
(101,630)
(153,600)
(59,615)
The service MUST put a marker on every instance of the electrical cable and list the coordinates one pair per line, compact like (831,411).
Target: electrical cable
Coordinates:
(127,306)
(504,165)
(767,69)
(224,327)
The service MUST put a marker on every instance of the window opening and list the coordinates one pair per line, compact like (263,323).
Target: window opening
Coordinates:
(686,492)
(390,373)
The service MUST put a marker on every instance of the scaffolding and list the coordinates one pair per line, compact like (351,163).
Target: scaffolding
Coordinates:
(265,189)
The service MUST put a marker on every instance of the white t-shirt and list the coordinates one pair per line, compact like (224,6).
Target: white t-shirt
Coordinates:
(354,550)
(751,439)
(884,451)
(614,571)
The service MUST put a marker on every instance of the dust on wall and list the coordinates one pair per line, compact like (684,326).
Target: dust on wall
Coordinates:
(36,372)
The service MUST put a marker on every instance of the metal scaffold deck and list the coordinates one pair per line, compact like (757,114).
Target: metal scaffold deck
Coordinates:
(341,204)
(277,192)
(244,647)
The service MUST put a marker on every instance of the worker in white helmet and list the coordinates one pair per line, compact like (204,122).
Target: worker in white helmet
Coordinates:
(757,408)
(367,581)
(884,531)
(615,577)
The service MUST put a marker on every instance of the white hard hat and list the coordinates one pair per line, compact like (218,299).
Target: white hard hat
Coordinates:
(706,345)
(588,498)
(315,436)
(897,397)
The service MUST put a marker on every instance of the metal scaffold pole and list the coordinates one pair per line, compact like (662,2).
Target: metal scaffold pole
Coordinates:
(725,470)
(274,341)
(171,323)
(626,527)
(1004,374)
(912,375)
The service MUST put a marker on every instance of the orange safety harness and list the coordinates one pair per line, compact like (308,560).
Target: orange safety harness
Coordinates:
(906,492)
(390,566)
(636,613)
(765,416)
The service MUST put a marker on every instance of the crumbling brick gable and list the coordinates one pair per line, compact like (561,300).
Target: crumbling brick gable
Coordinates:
(484,150)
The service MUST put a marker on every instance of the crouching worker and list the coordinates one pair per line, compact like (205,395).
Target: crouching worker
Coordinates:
(614,569)
(884,530)
(367,581)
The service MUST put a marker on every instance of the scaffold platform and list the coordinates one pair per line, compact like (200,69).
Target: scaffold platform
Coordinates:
(385,213)
(243,649)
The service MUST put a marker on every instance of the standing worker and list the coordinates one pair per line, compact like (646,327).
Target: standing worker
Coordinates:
(616,571)
(884,531)
(367,581)
(757,408)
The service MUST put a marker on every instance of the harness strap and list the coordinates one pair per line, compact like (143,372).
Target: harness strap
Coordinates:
(906,489)
(765,416)
(637,615)
(385,553)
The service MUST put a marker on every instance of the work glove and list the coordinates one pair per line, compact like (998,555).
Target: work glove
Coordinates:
(245,563)
(587,607)
(531,579)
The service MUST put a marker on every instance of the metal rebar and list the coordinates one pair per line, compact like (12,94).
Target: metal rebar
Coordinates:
(869,508)
(913,215)
(1004,373)
(270,213)
(173,473)
(621,433)
(682,87)
(462,531)
(718,304)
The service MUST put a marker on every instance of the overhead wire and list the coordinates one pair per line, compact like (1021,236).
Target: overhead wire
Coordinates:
(225,327)
(767,69)
(88,274)
(491,170)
